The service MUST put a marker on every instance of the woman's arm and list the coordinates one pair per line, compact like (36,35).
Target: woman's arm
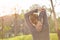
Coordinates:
(44,16)
(45,19)
(41,17)
(27,17)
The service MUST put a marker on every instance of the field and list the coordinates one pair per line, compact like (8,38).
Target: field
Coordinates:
(53,36)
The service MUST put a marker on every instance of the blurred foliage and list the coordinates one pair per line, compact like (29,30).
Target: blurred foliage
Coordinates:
(51,24)
(59,23)
(22,16)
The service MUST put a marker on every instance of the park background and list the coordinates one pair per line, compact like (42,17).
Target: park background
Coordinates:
(12,11)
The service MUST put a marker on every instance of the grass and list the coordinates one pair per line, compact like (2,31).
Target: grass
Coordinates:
(24,37)
(53,36)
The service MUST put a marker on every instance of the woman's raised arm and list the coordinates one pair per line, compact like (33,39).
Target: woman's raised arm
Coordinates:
(27,16)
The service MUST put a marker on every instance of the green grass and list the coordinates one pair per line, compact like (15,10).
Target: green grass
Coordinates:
(24,37)
(53,36)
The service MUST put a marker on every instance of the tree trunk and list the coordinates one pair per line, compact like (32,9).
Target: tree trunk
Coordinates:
(55,20)
(15,25)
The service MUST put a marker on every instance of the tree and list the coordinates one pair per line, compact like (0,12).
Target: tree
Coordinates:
(15,23)
(22,14)
(55,20)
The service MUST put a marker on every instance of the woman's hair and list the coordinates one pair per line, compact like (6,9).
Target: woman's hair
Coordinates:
(34,18)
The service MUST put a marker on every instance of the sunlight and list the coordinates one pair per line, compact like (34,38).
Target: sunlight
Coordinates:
(7,6)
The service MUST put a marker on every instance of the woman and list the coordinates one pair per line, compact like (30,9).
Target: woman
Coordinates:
(40,30)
